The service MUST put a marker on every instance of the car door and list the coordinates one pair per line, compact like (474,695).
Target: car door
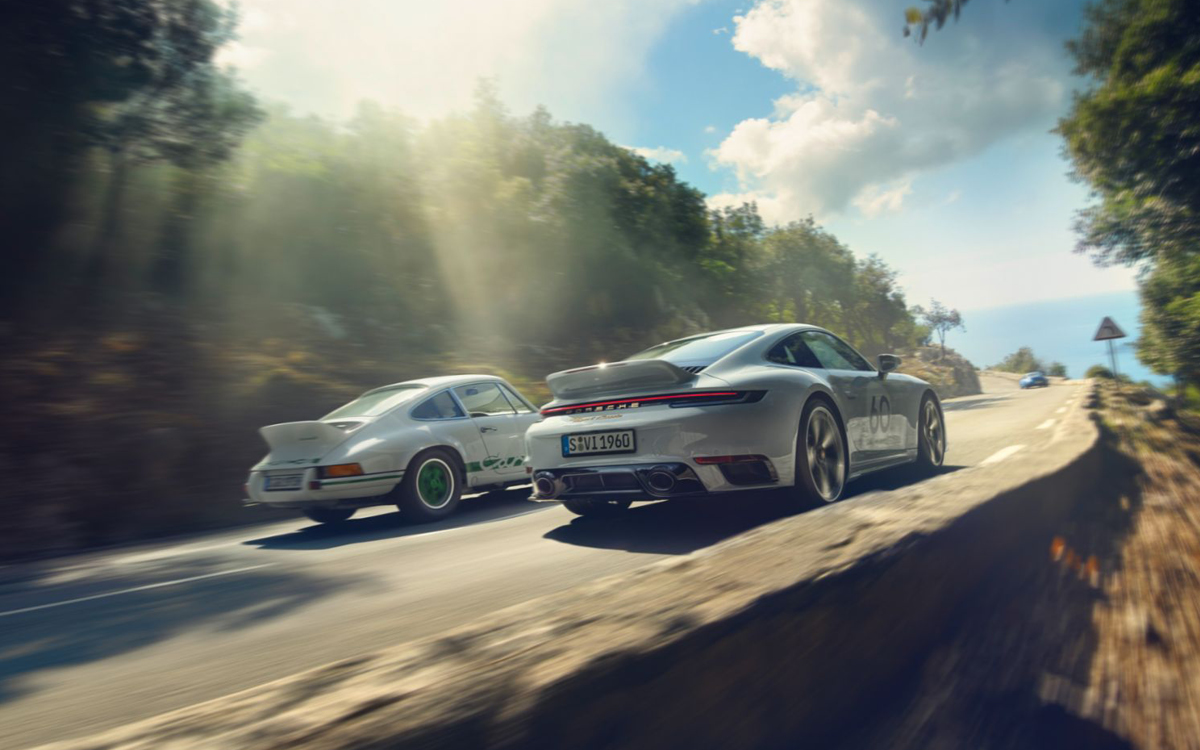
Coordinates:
(526,416)
(871,425)
(499,425)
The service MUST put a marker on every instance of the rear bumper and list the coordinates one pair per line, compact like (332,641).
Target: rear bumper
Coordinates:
(629,481)
(348,492)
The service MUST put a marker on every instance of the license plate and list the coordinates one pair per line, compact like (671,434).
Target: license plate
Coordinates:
(277,482)
(591,443)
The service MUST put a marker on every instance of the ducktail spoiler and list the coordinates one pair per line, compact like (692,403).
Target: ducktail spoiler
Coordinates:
(310,438)
(634,375)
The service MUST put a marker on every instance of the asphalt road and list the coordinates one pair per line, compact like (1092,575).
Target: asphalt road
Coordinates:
(93,641)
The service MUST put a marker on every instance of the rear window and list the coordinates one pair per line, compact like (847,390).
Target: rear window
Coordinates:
(707,348)
(377,402)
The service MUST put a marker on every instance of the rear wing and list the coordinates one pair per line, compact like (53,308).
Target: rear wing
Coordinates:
(616,377)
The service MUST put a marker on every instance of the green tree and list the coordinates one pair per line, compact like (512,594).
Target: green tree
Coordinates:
(133,77)
(940,320)
(1021,361)
(1057,369)
(1134,138)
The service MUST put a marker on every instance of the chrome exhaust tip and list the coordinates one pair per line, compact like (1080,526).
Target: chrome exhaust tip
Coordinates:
(545,486)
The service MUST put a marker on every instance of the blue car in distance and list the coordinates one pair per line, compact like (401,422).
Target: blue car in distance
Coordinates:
(1034,379)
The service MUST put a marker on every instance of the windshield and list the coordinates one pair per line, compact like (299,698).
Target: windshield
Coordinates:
(707,348)
(1034,374)
(377,402)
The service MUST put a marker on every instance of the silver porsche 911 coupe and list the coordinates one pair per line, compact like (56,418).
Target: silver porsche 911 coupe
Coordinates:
(766,406)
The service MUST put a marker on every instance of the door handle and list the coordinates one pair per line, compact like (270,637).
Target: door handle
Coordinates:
(487,429)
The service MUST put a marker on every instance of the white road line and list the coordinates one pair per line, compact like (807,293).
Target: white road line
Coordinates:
(1060,410)
(147,587)
(1045,425)
(1000,455)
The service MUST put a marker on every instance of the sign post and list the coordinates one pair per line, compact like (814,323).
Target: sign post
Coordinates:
(1109,331)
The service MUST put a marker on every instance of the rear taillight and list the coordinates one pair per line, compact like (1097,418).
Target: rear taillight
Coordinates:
(691,398)
(340,470)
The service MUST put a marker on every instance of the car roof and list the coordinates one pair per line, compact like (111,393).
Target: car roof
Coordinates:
(441,381)
(764,328)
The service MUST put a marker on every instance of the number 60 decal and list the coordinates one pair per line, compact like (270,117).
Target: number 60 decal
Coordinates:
(881,414)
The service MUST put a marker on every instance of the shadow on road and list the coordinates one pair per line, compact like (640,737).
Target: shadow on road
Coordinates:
(473,510)
(88,631)
(678,527)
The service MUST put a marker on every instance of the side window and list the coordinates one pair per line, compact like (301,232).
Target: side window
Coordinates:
(793,351)
(833,353)
(515,400)
(483,400)
(441,406)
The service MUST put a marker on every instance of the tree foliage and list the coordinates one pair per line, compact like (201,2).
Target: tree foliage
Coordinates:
(940,320)
(918,21)
(1134,137)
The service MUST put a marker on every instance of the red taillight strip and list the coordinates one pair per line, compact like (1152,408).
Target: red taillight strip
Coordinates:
(673,397)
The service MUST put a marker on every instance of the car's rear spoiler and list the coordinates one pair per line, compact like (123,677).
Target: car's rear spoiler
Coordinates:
(309,438)
(616,377)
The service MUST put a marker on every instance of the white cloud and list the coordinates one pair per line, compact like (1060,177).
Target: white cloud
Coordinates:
(575,56)
(952,197)
(874,200)
(872,109)
(710,129)
(660,153)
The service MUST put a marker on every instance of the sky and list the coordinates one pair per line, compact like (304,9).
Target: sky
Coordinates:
(939,157)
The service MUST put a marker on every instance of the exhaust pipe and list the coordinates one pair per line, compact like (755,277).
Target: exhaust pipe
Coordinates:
(545,486)
(661,480)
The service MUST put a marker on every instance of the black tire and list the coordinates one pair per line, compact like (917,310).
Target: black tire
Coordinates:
(595,508)
(436,497)
(931,442)
(822,455)
(329,515)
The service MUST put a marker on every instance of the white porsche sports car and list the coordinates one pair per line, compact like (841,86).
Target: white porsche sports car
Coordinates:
(416,444)
(757,407)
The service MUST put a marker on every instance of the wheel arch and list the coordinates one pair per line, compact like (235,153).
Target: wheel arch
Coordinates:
(451,449)
(827,397)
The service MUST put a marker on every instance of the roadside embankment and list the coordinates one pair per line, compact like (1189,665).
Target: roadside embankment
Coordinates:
(1092,642)
(773,638)
(948,372)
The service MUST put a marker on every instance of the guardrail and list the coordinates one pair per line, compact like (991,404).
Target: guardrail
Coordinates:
(775,638)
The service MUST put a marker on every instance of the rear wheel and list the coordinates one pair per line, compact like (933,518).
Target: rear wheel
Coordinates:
(821,465)
(329,515)
(594,508)
(931,436)
(432,486)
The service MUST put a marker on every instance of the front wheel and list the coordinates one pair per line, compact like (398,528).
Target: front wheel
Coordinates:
(821,465)
(931,436)
(329,515)
(432,486)
(593,508)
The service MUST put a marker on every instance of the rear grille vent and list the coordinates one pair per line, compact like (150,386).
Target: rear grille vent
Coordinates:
(693,368)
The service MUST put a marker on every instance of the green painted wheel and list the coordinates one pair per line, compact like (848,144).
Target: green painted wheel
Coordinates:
(432,486)
(435,483)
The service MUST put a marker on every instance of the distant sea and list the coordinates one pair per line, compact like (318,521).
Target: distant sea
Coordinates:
(1059,330)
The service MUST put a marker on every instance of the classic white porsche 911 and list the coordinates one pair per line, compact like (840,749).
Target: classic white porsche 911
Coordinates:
(417,444)
(757,407)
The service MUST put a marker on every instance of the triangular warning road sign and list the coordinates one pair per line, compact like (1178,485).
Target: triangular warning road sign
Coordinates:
(1108,330)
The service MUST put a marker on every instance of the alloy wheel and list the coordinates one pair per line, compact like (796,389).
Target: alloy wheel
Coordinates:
(435,483)
(826,454)
(933,434)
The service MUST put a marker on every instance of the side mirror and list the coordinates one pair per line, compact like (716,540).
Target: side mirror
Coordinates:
(887,363)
